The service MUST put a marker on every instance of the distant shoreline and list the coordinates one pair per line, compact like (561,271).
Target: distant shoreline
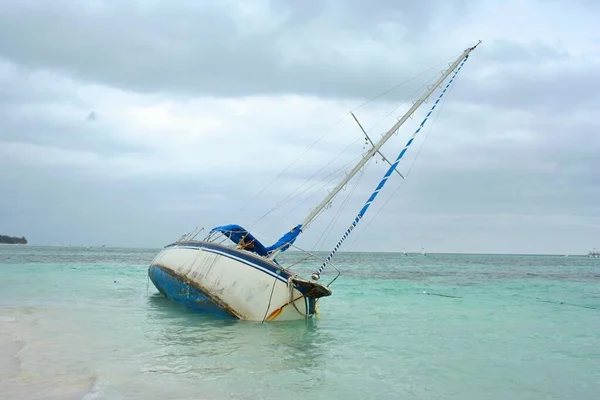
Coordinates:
(415,254)
(4,239)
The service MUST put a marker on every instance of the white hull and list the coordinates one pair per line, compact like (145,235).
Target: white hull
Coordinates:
(223,280)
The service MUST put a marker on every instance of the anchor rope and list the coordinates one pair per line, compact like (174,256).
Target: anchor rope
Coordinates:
(389,172)
(562,303)
(440,294)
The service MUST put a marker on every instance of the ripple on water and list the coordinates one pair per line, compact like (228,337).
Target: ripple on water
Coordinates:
(514,329)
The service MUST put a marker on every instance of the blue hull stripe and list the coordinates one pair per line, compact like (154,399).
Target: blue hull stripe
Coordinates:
(243,257)
(251,261)
(185,293)
(258,267)
(238,254)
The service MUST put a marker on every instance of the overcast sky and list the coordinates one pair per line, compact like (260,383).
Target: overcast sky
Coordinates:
(129,123)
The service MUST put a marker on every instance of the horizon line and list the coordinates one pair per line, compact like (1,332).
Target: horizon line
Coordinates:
(300,251)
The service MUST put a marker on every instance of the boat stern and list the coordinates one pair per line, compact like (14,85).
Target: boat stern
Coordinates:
(311,289)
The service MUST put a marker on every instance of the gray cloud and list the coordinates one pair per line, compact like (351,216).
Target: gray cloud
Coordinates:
(326,48)
(558,85)
(510,164)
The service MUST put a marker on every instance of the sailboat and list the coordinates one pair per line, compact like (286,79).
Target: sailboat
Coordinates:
(230,273)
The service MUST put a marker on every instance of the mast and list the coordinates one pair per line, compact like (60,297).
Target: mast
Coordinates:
(375,149)
(316,275)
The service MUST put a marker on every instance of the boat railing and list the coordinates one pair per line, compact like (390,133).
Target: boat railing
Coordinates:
(306,258)
(219,238)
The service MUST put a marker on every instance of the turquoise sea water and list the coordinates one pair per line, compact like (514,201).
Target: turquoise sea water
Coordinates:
(83,324)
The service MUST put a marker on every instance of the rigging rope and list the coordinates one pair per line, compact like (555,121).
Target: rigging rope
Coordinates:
(368,130)
(416,92)
(316,275)
(287,199)
(291,196)
(331,177)
(443,103)
(325,134)
(270,298)
(289,166)
(325,235)
(405,82)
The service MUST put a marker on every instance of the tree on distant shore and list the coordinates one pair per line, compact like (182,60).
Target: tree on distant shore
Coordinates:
(12,240)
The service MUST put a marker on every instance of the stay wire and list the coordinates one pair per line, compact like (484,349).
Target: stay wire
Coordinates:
(405,82)
(336,217)
(285,200)
(331,177)
(444,101)
(336,124)
(377,123)
(290,165)
(437,114)
(293,195)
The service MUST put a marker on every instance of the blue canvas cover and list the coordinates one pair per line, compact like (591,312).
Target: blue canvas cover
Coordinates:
(237,233)
(286,240)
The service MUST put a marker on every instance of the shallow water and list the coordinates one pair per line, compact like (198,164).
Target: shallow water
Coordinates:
(86,324)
